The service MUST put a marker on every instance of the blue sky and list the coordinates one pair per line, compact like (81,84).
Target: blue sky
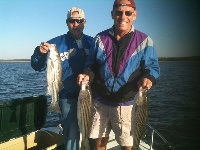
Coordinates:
(172,24)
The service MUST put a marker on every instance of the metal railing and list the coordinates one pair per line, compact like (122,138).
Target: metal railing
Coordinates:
(168,144)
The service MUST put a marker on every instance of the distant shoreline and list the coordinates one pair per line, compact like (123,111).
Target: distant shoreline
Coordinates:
(192,58)
(15,60)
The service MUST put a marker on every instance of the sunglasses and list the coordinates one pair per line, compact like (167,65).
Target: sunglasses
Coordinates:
(77,20)
(120,13)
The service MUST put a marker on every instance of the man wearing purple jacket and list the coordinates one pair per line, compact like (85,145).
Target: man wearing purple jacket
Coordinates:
(121,60)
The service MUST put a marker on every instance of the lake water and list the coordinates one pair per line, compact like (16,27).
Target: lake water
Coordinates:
(174,102)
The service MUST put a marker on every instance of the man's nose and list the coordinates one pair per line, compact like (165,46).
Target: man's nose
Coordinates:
(76,24)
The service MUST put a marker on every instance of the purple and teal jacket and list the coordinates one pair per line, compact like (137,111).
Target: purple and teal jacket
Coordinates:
(115,67)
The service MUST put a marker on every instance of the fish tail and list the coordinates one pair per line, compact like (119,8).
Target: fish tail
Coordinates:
(54,107)
(85,145)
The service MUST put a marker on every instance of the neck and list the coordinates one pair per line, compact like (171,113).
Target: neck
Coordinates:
(77,36)
(121,34)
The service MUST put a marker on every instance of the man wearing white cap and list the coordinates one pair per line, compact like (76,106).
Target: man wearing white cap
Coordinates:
(73,48)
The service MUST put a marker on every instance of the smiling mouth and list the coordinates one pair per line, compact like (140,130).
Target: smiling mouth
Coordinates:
(122,23)
(77,28)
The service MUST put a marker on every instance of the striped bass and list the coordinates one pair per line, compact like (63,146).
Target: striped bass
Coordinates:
(139,117)
(54,77)
(84,115)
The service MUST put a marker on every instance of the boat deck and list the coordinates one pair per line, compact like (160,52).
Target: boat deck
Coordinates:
(113,145)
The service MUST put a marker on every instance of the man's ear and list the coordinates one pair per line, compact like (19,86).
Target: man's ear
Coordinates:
(85,22)
(112,15)
(134,15)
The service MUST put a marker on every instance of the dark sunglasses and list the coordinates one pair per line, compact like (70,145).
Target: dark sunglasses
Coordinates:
(120,13)
(77,20)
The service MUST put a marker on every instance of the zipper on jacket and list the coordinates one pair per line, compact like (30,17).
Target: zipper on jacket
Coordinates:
(113,85)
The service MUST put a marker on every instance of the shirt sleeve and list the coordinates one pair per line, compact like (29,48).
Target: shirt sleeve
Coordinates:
(38,60)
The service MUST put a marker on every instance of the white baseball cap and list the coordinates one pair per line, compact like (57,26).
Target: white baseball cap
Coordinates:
(80,15)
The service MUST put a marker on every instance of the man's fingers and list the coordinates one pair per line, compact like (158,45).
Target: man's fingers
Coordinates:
(145,83)
(82,79)
(44,47)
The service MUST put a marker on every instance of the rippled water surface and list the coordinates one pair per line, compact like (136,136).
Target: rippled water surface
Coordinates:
(174,102)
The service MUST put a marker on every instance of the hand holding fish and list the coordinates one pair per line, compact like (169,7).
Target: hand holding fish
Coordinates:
(44,47)
(145,83)
(82,79)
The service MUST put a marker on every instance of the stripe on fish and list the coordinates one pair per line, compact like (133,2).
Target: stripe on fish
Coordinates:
(54,77)
(139,117)
(84,115)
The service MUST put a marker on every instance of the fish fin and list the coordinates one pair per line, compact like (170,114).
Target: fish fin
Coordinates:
(85,144)
(54,107)
(80,141)
(48,92)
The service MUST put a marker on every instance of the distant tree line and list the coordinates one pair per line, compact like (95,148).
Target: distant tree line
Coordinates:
(15,60)
(192,58)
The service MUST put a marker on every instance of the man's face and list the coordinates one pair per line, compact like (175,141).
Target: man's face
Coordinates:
(76,26)
(123,17)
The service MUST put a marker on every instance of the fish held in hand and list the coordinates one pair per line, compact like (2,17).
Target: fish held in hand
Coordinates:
(84,115)
(54,77)
(139,117)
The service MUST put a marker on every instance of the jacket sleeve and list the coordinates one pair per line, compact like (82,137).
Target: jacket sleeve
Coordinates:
(150,64)
(38,60)
(90,60)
